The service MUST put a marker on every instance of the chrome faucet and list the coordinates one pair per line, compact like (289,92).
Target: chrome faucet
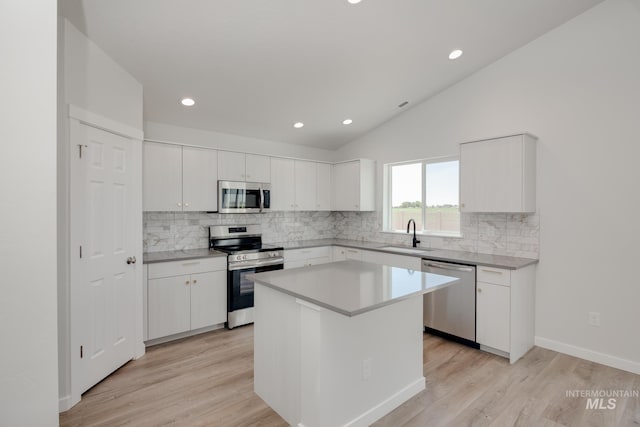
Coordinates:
(415,241)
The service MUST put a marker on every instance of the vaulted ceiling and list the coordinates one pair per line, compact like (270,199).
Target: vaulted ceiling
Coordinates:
(256,67)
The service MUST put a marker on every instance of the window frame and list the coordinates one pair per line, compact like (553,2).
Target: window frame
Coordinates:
(388,197)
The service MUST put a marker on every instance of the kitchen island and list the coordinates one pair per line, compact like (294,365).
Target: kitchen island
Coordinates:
(339,344)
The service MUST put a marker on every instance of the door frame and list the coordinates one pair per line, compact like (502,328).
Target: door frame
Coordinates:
(79,116)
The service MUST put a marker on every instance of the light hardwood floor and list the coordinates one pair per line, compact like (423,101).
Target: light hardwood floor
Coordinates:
(207,380)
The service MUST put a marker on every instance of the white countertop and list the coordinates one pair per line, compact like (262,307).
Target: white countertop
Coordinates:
(352,287)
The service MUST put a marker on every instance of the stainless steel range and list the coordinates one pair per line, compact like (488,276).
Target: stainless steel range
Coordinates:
(247,255)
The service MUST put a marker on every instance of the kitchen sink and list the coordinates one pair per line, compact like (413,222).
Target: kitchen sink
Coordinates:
(401,249)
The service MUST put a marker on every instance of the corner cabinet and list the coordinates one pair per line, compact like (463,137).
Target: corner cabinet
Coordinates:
(505,310)
(184,296)
(354,185)
(498,175)
(179,178)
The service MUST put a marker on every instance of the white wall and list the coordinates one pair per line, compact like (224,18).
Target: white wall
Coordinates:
(224,141)
(28,360)
(576,88)
(91,80)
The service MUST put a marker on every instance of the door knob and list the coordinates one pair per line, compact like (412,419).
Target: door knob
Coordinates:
(131,260)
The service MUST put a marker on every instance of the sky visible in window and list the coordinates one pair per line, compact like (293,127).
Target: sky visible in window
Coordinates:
(442,183)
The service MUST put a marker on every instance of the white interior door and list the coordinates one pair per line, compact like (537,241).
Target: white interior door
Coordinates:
(103,237)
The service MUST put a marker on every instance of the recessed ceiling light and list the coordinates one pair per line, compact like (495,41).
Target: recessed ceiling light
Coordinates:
(298,125)
(188,102)
(354,1)
(455,54)
(347,121)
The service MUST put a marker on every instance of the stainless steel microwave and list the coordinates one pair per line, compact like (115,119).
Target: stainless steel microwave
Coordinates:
(243,197)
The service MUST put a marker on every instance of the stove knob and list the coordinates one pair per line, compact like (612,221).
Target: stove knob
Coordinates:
(244,257)
(274,254)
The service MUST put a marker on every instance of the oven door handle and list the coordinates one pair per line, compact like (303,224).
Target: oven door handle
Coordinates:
(243,265)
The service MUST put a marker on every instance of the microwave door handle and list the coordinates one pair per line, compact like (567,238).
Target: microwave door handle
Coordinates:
(261,199)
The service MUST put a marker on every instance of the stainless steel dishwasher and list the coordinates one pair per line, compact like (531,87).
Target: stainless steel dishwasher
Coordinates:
(451,312)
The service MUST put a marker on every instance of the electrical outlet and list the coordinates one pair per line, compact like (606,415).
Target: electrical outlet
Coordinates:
(366,369)
(594,319)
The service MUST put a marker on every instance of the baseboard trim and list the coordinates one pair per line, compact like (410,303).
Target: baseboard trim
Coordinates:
(65,403)
(593,356)
(388,405)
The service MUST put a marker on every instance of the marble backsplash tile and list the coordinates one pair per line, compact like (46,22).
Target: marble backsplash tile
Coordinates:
(495,233)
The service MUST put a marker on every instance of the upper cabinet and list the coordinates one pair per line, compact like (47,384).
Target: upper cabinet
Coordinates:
(498,175)
(234,166)
(354,185)
(300,185)
(178,178)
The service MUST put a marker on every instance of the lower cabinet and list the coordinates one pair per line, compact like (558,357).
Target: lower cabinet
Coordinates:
(505,310)
(184,296)
(294,258)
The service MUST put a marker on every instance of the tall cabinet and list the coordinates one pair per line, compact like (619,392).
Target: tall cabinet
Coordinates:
(499,174)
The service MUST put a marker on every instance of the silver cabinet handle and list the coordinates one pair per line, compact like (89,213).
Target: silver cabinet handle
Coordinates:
(131,260)
(491,271)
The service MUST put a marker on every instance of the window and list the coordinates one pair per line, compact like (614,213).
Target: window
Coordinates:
(426,191)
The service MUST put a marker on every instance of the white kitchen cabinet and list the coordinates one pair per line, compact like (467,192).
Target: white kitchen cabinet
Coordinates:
(354,185)
(258,168)
(351,253)
(305,185)
(283,195)
(162,177)
(178,178)
(505,310)
(323,187)
(199,179)
(493,309)
(233,166)
(498,175)
(185,296)
(294,258)
(339,253)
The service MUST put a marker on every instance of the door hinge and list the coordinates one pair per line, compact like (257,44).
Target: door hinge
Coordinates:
(80,251)
(80,146)
(81,352)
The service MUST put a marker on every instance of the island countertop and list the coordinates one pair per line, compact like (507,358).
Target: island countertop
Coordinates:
(352,287)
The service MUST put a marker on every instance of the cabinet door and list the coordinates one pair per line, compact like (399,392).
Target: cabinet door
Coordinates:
(282,184)
(208,299)
(305,185)
(162,173)
(492,311)
(323,187)
(353,254)
(258,168)
(169,306)
(346,186)
(491,175)
(199,179)
(231,166)
(339,253)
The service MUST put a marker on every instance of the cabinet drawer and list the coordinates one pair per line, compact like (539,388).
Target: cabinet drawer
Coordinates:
(498,276)
(307,253)
(178,268)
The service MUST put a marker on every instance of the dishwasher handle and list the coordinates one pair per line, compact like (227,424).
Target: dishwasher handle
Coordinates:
(452,267)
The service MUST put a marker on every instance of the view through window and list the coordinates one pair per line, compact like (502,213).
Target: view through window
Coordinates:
(428,192)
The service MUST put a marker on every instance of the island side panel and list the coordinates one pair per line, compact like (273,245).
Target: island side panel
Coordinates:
(364,366)
(277,351)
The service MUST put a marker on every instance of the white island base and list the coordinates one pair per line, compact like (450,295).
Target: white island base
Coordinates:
(319,368)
